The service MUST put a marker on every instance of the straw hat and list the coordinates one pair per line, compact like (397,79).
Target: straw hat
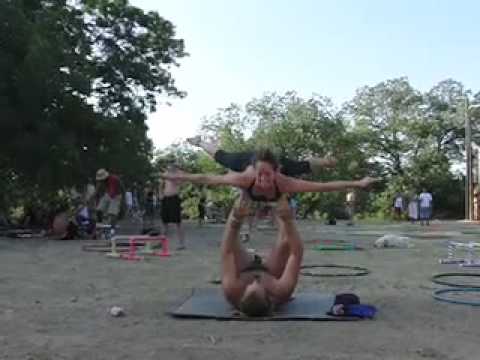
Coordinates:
(102,174)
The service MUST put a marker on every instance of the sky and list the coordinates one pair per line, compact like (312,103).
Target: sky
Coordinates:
(241,49)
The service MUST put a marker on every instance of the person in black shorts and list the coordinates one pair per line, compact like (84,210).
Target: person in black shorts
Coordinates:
(201,209)
(171,209)
(262,180)
(149,214)
(171,206)
(239,161)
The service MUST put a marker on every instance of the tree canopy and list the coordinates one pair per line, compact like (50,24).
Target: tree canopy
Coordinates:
(77,80)
(411,139)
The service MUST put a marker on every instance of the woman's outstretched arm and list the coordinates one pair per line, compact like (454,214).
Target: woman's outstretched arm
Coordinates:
(291,185)
(231,178)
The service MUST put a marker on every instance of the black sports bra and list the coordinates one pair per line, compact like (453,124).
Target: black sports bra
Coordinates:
(254,197)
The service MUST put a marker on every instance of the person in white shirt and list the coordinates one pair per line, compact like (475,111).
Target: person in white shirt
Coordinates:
(398,206)
(129,202)
(426,200)
(413,208)
(350,206)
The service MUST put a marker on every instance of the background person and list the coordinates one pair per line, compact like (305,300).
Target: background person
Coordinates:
(413,209)
(426,203)
(109,188)
(171,212)
(201,209)
(398,204)
(149,214)
(350,206)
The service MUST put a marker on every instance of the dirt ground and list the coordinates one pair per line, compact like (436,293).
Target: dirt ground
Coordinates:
(54,302)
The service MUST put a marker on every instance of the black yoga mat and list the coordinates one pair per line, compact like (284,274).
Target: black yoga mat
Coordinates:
(211,304)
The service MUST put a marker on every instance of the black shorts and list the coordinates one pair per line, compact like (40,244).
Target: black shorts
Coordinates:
(241,160)
(294,167)
(237,161)
(171,210)
(201,212)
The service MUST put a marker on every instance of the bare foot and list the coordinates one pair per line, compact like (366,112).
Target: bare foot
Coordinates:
(195,141)
(325,162)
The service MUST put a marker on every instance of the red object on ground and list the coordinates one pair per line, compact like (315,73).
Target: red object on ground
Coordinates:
(165,250)
(132,253)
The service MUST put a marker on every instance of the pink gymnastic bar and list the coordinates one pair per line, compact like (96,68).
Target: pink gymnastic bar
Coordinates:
(134,242)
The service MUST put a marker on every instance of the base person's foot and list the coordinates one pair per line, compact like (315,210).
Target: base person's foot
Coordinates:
(181,247)
(325,162)
(195,141)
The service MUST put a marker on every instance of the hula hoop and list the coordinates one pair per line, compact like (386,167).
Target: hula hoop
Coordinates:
(432,236)
(435,279)
(366,233)
(360,271)
(334,247)
(437,296)
(471,232)
(328,242)
(103,248)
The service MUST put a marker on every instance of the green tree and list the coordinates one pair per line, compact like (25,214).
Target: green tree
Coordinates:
(296,128)
(77,79)
(417,137)
(382,115)
(442,124)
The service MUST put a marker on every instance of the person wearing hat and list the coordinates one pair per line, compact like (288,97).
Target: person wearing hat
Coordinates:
(110,190)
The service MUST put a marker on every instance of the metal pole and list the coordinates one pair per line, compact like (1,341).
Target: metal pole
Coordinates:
(473,148)
(468,177)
